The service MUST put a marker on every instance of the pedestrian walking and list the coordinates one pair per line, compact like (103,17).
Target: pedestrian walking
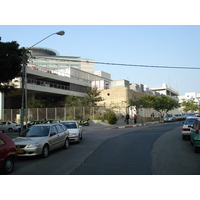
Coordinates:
(135,119)
(127,118)
(152,116)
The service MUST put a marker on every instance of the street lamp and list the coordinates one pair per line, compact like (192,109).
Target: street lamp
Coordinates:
(24,81)
(61,33)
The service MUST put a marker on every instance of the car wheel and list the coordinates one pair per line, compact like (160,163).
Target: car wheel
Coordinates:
(196,149)
(45,151)
(184,137)
(66,144)
(79,139)
(10,129)
(8,165)
(81,136)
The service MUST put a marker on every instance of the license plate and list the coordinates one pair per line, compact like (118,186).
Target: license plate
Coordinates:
(20,151)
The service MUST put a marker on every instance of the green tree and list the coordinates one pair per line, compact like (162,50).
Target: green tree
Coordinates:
(190,105)
(11,58)
(36,103)
(73,101)
(159,103)
(93,96)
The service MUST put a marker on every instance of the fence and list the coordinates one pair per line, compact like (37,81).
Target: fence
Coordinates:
(72,113)
(62,113)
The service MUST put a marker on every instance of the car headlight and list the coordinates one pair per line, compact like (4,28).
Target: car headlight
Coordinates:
(33,145)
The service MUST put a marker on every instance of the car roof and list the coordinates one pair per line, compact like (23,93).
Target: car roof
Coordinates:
(192,118)
(46,124)
(69,121)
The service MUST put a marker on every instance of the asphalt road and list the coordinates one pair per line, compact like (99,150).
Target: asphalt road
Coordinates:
(149,150)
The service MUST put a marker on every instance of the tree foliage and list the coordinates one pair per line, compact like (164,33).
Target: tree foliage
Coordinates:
(160,103)
(36,103)
(110,116)
(11,58)
(73,101)
(93,96)
(190,105)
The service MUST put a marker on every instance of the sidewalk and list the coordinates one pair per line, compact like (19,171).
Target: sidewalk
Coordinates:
(98,125)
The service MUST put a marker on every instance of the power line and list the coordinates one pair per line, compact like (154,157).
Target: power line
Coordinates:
(148,66)
(132,65)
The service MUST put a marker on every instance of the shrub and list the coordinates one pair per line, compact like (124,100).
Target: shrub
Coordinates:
(110,116)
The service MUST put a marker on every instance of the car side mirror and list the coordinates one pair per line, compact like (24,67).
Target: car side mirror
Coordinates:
(53,133)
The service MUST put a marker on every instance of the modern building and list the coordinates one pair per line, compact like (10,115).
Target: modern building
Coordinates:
(190,95)
(165,89)
(49,59)
(103,74)
(52,76)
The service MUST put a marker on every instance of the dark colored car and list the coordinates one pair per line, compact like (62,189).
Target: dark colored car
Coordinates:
(51,121)
(31,123)
(7,154)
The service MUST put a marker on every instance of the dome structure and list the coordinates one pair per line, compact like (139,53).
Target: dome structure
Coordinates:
(39,51)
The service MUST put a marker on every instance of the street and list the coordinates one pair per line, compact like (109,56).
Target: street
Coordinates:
(148,150)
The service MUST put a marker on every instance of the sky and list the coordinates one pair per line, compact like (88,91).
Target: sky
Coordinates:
(151,45)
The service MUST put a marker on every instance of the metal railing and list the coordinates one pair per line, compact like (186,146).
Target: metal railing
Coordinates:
(72,113)
(48,84)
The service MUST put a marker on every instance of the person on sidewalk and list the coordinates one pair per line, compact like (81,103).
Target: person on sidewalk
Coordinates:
(152,117)
(127,118)
(135,119)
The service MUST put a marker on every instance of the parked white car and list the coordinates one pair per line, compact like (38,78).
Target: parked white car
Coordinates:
(186,129)
(75,131)
(169,118)
(9,126)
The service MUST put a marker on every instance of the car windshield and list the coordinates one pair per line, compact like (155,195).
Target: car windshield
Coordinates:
(38,131)
(190,114)
(69,125)
(189,121)
(168,116)
(24,133)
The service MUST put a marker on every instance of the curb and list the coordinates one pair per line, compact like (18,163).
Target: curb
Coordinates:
(126,126)
(131,126)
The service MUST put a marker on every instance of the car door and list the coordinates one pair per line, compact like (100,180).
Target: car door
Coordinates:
(193,131)
(3,151)
(61,135)
(54,139)
(8,125)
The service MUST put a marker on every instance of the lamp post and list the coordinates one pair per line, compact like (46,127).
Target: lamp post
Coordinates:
(24,82)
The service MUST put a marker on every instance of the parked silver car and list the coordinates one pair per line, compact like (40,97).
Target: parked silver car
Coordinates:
(75,131)
(169,118)
(9,126)
(42,138)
